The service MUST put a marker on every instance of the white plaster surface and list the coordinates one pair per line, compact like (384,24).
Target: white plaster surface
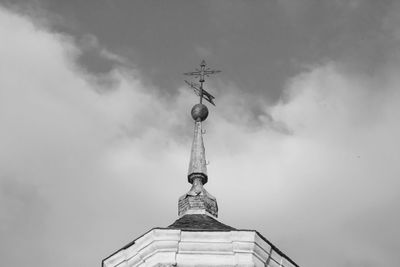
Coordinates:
(171,247)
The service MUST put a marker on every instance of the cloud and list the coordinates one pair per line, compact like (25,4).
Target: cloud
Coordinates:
(85,170)
(324,187)
(58,137)
(345,130)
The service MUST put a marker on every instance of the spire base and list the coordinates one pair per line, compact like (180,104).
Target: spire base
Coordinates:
(197,200)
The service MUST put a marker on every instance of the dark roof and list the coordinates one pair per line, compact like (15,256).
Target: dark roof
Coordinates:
(199,222)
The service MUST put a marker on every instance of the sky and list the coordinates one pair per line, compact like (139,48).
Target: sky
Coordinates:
(96,128)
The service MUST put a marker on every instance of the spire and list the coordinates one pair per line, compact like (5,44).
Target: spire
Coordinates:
(197,164)
(198,200)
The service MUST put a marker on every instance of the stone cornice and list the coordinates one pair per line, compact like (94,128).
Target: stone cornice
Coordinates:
(172,247)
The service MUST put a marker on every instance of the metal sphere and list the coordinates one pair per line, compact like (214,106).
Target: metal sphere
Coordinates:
(199,112)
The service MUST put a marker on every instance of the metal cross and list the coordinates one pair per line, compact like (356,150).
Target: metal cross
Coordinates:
(198,89)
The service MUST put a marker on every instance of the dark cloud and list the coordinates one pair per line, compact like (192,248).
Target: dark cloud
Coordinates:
(260,44)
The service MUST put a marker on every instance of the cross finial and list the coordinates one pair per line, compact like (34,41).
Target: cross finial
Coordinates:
(198,88)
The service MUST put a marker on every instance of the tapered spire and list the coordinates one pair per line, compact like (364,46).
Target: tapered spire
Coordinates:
(198,200)
(197,164)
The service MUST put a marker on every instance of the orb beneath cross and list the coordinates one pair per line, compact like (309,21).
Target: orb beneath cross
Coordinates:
(199,112)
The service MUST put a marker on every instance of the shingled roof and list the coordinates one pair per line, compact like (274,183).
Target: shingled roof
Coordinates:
(199,222)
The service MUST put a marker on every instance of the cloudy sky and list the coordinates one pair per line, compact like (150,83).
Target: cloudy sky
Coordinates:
(96,132)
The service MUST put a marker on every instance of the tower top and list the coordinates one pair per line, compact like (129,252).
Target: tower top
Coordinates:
(197,238)
(198,200)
